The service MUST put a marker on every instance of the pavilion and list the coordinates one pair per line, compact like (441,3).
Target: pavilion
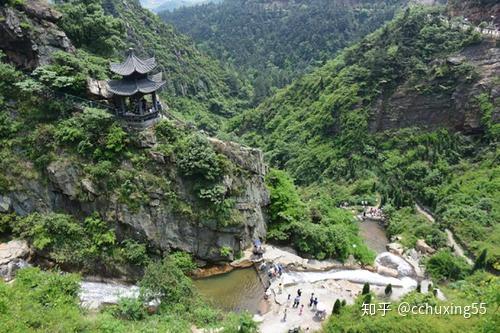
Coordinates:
(135,94)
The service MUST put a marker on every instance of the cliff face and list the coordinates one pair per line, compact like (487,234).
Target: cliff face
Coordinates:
(29,34)
(155,219)
(476,11)
(447,105)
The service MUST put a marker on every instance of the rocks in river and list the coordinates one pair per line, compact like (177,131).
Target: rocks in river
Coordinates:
(395,248)
(423,247)
(393,262)
(13,256)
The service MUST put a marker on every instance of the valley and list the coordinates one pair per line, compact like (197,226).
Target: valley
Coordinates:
(249,166)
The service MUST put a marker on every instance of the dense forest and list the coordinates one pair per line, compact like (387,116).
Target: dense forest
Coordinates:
(273,42)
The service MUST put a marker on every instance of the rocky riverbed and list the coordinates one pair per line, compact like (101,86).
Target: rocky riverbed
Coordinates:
(328,280)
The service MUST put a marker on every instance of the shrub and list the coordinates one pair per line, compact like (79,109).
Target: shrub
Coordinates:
(166,281)
(196,158)
(134,252)
(366,289)
(480,262)
(388,290)
(184,261)
(129,309)
(336,307)
(445,266)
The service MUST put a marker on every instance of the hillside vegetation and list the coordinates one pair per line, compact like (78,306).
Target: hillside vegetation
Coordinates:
(272,42)
(318,127)
(197,87)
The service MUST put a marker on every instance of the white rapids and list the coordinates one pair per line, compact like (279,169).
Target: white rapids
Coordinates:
(95,294)
(360,276)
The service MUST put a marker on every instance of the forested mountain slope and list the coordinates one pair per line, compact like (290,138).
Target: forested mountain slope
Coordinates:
(394,109)
(196,84)
(273,42)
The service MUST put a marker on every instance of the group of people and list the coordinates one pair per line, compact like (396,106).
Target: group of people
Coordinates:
(275,271)
(373,213)
(313,303)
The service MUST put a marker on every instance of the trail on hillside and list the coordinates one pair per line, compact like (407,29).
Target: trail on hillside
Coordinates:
(451,242)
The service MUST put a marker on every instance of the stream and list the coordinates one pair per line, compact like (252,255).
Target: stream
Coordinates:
(242,289)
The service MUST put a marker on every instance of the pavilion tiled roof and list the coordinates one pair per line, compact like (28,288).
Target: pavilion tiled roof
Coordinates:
(133,64)
(145,85)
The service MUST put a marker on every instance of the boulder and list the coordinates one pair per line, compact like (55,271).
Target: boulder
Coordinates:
(89,186)
(394,262)
(395,248)
(387,271)
(13,256)
(41,10)
(423,247)
(98,88)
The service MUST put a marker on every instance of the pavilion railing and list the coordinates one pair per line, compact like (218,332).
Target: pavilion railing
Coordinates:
(139,118)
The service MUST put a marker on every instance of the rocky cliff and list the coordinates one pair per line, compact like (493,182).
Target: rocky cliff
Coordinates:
(29,33)
(476,11)
(448,104)
(155,219)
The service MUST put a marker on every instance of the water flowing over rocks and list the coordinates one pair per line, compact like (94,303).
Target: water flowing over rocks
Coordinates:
(96,294)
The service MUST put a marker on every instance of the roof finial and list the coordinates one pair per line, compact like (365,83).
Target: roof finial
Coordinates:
(130,51)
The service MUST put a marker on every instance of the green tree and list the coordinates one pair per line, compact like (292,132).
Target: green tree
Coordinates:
(366,289)
(165,281)
(336,307)
(480,262)
(87,25)
(388,290)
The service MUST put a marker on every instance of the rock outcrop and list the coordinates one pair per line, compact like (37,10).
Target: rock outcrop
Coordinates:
(13,256)
(476,11)
(454,107)
(154,219)
(30,35)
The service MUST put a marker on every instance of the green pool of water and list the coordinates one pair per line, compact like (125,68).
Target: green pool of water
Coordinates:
(374,235)
(237,291)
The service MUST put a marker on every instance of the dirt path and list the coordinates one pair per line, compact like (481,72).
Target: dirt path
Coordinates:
(451,242)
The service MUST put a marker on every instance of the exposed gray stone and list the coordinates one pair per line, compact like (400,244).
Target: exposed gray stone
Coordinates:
(29,34)
(423,247)
(12,257)
(5,204)
(395,248)
(64,176)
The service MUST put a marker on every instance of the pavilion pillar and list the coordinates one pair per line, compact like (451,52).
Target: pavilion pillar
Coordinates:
(154,101)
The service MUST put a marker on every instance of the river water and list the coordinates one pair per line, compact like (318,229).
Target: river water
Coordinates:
(238,290)
(374,235)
